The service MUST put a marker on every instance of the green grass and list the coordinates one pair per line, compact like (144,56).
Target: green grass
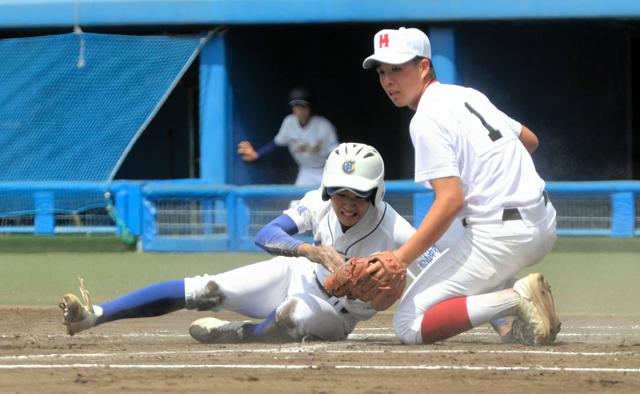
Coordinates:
(63,243)
(592,276)
(588,275)
(37,270)
(40,279)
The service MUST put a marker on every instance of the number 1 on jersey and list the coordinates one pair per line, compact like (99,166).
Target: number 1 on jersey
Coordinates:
(494,134)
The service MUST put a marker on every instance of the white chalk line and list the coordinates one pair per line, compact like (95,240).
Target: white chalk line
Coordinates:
(483,330)
(616,328)
(158,366)
(537,368)
(489,368)
(561,334)
(317,348)
(484,333)
(489,334)
(480,351)
(270,350)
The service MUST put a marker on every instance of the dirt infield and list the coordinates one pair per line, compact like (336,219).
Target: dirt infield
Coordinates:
(593,354)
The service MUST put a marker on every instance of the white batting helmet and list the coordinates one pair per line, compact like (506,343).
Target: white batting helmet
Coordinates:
(357,168)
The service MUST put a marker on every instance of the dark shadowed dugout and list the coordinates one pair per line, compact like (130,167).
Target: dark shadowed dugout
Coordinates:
(572,83)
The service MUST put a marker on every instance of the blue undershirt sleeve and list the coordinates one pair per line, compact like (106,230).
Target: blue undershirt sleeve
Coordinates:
(276,237)
(266,148)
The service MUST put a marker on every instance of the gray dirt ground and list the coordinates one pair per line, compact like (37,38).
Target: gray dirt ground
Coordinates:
(592,354)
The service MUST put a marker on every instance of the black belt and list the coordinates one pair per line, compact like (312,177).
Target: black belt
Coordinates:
(514,213)
(545,195)
(511,214)
(321,286)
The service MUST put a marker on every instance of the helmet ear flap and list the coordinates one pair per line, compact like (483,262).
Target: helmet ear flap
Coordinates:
(372,197)
(325,195)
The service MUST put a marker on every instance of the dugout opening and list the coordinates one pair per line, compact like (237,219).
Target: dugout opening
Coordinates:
(169,147)
(265,62)
(545,75)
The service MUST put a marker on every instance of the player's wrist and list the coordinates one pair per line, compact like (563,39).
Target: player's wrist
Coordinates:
(401,257)
(304,249)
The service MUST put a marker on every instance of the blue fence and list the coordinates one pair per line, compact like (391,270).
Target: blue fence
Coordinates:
(195,216)
(54,207)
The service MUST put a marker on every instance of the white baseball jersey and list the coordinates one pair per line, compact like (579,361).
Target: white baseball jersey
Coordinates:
(381,228)
(309,145)
(257,289)
(457,131)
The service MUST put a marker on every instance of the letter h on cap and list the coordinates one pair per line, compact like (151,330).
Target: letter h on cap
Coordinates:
(384,40)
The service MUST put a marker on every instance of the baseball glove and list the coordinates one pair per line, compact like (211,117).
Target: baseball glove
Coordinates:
(378,279)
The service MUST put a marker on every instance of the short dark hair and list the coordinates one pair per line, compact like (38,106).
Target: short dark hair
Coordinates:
(432,70)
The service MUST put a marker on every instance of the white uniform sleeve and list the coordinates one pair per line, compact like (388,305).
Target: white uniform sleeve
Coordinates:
(284,134)
(331,139)
(435,155)
(514,125)
(306,212)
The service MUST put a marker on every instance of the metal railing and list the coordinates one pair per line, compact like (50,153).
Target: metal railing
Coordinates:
(193,215)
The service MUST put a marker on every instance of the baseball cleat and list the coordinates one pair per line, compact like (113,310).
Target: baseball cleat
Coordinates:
(537,322)
(212,330)
(77,315)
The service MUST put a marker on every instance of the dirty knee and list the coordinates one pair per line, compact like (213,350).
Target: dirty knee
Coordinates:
(210,298)
(285,315)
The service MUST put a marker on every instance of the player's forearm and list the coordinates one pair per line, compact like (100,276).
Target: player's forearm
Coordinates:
(446,206)
(266,149)
(275,238)
(323,255)
(431,229)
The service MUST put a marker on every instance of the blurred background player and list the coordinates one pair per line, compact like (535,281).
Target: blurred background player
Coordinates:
(348,217)
(308,136)
(477,160)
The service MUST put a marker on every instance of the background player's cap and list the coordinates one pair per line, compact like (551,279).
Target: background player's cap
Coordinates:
(299,96)
(398,47)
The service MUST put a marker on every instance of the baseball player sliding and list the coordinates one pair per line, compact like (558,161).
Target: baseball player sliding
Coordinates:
(310,138)
(348,217)
(477,160)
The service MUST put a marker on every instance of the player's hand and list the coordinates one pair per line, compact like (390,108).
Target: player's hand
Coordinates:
(323,255)
(246,151)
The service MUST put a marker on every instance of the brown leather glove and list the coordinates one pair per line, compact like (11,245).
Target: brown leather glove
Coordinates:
(378,279)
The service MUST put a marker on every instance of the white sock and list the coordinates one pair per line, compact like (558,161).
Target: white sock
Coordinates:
(484,308)
(97,310)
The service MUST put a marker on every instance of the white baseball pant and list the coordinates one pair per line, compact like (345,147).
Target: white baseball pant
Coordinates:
(256,290)
(309,176)
(487,256)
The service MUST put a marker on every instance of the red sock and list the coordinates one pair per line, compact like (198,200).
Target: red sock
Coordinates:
(446,319)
